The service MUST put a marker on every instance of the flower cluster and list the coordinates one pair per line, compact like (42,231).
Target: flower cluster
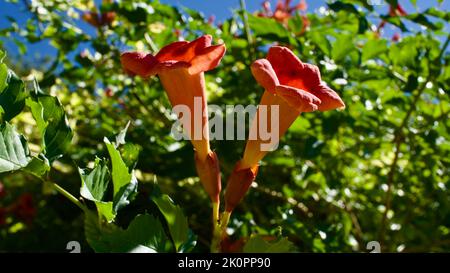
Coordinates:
(284,11)
(99,19)
(292,86)
(394,11)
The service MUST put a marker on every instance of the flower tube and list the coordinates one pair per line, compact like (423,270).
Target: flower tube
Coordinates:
(291,87)
(180,67)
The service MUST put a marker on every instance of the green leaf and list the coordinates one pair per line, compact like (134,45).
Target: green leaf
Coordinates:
(38,113)
(145,234)
(396,21)
(145,231)
(12,98)
(421,19)
(3,77)
(267,27)
(124,182)
(373,48)
(94,187)
(321,41)
(95,184)
(176,221)
(438,13)
(103,237)
(190,243)
(14,153)
(38,166)
(106,209)
(130,154)
(342,47)
(120,138)
(363,24)
(21,46)
(339,5)
(257,244)
(296,23)
(411,84)
(52,123)
(404,53)
(196,15)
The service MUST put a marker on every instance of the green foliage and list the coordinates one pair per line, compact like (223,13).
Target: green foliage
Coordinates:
(257,244)
(145,234)
(267,28)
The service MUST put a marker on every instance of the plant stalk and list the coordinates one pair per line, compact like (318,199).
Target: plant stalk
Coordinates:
(69,196)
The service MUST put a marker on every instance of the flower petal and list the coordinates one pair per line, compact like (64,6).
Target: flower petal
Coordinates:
(167,65)
(313,84)
(138,63)
(188,51)
(265,75)
(299,99)
(166,53)
(330,99)
(285,64)
(207,59)
(292,72)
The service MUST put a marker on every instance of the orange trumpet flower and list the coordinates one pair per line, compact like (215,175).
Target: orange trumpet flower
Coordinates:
(180,67)
(293,87)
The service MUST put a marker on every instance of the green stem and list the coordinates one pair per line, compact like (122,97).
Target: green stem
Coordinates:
(216,239)
(224,221)
(69,196)
(219,232)
(247,27)
(153,46)
(215,213)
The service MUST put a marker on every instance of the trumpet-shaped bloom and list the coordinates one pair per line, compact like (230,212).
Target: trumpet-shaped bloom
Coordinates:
(294,87)
(180,67)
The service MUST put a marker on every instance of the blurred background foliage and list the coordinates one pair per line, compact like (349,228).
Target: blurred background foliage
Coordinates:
(377,171)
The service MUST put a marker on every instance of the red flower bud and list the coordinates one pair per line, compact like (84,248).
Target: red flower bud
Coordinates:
(107,18)
(92,18)
(211,19)
(396,37)
(238,184)
(208,171)
(397,11)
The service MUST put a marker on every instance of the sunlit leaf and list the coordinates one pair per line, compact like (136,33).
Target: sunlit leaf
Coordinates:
(94,187)
(12,98)
(177,222)
(124,181)
(257,244)
(52,122)
(14,153)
